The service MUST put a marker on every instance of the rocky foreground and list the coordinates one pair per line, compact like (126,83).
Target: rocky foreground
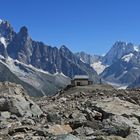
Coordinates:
(96,112)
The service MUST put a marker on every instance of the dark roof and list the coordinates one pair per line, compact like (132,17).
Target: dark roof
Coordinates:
(81,77)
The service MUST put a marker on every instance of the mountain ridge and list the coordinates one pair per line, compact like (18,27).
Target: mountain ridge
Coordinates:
(120,65)
(18,50)
(48,58)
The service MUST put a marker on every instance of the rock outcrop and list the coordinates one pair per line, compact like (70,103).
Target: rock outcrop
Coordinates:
(15,100)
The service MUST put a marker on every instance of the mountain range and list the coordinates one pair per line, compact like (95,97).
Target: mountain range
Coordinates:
(47,69)
(120,66)
(43,69)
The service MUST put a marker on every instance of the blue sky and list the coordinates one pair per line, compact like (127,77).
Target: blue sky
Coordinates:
(82,25)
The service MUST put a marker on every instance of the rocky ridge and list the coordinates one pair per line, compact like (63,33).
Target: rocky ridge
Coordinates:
(20,46)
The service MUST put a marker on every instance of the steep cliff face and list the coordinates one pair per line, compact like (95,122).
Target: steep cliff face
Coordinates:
(3,51)
(20,47)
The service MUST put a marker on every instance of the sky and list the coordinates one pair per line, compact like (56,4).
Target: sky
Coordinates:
(92,26)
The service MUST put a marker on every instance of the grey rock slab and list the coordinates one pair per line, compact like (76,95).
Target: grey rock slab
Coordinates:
(16,101)
(67,137)
(5,114)
(117,107)
(117,125)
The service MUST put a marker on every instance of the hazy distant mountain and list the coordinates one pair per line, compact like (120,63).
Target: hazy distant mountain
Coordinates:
(118,50)
(124,63)
(88,58)
(48,69)
(119,67)
(94,61)
(59,64)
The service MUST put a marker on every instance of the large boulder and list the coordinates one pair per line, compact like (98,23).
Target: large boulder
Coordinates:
(116,106)
(117,125)
(120,117)
(110,138)
(14,99)
(67,137)
(59,129)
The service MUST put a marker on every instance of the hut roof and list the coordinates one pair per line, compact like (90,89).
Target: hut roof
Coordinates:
(81,77)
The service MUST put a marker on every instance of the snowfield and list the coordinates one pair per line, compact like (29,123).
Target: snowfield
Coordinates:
(99,67)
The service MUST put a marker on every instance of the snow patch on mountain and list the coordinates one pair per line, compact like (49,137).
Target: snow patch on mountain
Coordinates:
(117,85)
(11,64)
(57,73)
(136,48)
(99,67)
(43,81)
(1,21)
(123,87)
(127,57)
(3,41)
(136,68)
(82,60)
(122,75)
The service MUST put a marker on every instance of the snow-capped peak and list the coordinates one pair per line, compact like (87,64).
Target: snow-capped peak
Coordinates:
(3,41)
(1,21)
(136,48)
(127,57)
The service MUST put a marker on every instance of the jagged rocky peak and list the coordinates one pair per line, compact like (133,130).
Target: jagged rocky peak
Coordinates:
(66,52)
(22,48)
(119,44)
(63,48)
(88,58)
(6,30)
(5,25)
(84,56)
(124,64)
(125,46)
(118,50)
(23,31)
(4,22)
(23,36)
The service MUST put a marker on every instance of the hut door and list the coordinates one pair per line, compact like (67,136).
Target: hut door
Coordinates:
(78,83)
